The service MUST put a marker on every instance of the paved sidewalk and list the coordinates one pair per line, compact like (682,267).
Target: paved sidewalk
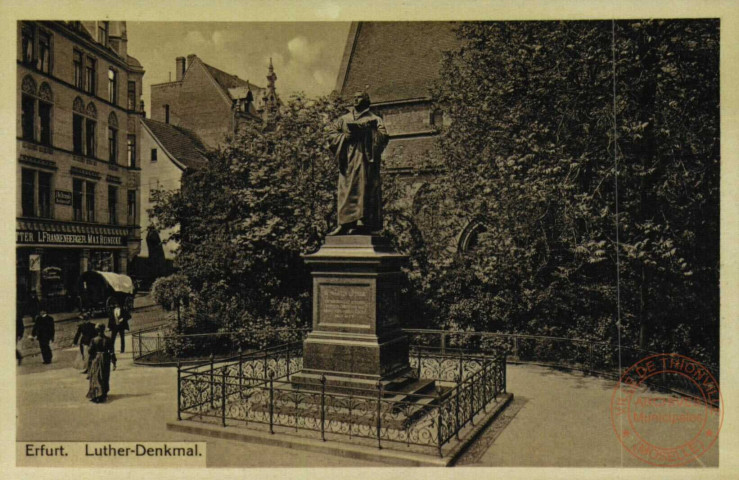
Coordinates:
(557,419)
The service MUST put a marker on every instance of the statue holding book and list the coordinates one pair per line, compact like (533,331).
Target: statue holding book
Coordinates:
(357,141)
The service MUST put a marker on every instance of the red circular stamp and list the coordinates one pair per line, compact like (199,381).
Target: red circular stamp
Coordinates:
(662,429)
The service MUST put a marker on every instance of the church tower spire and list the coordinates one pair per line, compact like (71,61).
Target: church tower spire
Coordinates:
(271,102)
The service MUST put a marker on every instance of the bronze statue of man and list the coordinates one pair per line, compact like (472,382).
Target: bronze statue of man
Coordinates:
(357,141)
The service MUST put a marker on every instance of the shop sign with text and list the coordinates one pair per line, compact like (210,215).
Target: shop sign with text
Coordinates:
(23,237)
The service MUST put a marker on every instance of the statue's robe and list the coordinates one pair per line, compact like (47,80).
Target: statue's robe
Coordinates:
(358,158)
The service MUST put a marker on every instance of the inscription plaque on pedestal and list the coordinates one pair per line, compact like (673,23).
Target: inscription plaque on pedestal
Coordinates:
(356,339)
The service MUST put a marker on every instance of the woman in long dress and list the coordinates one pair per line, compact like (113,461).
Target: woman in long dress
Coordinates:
(100,355)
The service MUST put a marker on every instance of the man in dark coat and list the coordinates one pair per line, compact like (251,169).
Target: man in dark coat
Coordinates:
(357,141)
(85,333)
(118,324)
(43,330)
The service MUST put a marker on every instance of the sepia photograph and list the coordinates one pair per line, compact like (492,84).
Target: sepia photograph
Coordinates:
(482,242)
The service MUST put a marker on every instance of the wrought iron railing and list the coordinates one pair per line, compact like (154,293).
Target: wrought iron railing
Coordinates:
(256,390)
(593,357)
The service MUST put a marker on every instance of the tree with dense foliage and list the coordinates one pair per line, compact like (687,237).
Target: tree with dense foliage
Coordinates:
(530,156)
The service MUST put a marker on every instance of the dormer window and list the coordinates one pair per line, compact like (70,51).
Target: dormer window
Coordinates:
(103,33)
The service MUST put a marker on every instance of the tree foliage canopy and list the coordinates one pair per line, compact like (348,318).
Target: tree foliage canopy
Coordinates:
(531,153)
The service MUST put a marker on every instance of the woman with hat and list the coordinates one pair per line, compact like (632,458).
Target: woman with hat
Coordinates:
(100,355)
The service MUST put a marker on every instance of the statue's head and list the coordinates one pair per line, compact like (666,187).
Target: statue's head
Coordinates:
(361,101)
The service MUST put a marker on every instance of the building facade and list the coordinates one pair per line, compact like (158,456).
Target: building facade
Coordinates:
(78,130)
(168,154)
(209,102)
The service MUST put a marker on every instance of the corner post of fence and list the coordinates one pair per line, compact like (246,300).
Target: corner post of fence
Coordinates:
(179,390)
(212,360)
(223,396)
(323,407)
(485,385)
(379,414)
(456,408)
(265,365)
(472,400)
(504,367)
(515,347)
(271,402)
(439,439)
(443,343)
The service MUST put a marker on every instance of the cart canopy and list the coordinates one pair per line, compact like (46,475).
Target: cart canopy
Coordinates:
(118,282)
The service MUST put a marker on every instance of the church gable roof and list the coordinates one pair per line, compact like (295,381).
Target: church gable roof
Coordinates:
(398,60)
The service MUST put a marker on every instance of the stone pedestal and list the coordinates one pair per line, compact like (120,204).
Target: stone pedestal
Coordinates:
(356,339)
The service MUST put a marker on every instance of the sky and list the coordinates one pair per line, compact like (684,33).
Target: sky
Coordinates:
(306,55)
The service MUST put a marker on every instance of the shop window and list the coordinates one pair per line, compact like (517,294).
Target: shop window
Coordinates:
(28,42)
(131,151)
(132,95)
(44,52)
(112,86)
(113,204)
(78,78)
(131,216)
(77,126)
(28,113)
(90,143)
(44,115)
(90,201)
(90,79)
(78,195)
(112,145)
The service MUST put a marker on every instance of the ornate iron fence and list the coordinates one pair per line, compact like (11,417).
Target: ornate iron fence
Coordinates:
(589,356)
(255,389)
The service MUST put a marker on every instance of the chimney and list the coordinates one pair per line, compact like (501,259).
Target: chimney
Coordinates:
(180,68)
(191,58)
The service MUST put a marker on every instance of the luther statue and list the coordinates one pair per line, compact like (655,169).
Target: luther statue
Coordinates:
(357,141)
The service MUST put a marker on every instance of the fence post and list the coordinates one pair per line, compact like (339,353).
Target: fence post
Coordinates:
(323,407)
(241,374)
(212,393)
(419,361)
(379,414)
(265,364)
(504,367)
(485,385)
(271,402)
(456,412)
(159,346)
(461,367)
(439,422)
(443,343)
(515,347)
(179,390)
(472,400)
(288,361)
(141,352)
(590,358)
(223,396)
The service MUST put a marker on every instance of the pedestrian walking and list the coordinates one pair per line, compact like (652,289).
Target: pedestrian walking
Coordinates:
(100,355)
(85,333)
(118,324)
(43,330)
(19,329)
